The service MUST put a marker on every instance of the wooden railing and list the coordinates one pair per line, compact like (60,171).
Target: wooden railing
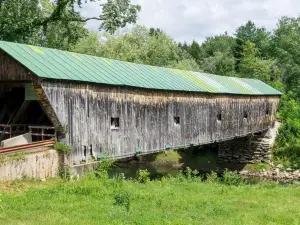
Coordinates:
(13,130)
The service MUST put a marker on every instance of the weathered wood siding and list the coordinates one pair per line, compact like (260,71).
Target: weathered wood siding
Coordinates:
(147,117)
(11,70)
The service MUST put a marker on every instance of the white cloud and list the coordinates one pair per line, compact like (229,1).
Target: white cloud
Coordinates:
(197,19)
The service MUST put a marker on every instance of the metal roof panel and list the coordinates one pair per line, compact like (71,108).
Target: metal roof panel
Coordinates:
(63,65)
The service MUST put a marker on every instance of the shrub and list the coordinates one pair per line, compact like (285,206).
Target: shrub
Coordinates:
(61,147)
(287,148)
(143,176)
(190,174)
(65,173)
(103,167)
(232,178)
(123,199)
(212,177)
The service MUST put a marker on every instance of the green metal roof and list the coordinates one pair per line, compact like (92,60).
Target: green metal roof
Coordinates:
(63,65)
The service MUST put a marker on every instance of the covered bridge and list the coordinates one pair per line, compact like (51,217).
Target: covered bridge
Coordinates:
(99,105)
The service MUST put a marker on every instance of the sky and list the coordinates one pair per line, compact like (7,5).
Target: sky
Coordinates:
(187,20)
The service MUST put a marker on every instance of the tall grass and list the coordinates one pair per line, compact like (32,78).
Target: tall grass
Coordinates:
(184,199)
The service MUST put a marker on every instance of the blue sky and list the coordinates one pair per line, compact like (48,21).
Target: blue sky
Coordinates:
(197,19)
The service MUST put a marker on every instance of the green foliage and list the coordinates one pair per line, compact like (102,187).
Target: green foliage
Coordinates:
(123,199)
(171,201)
(251,33)
(286,48)
(251,66)
(89,45)
(143,176)
(191,174)
(34,28)
(14,156)
(138,46)
(232,178)
(61,147)
(212,177)
(58,24)
(222,63)
(219,43)
(1,206)
(117,14)
(103,168)
(65,173)
(287,148)
(261,166)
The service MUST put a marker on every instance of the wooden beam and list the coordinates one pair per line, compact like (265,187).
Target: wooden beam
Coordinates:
(21,112)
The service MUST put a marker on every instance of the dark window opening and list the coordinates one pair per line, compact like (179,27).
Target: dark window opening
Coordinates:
(176,120)
(219,117)
(258,134)
(115,123)
(84,151)
(267,112)
(245,115)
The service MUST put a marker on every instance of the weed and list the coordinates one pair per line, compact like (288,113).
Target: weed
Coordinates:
(143,176)
(232,178)
(65,173)
(123,199)
(61,147)
(13,156)
(261,166)
(212,177)
(103,167)
(120,177)
(190,174)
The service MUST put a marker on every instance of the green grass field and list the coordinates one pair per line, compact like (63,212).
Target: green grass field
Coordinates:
(176,200)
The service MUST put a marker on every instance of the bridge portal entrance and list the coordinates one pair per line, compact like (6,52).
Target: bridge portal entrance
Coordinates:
(21,112)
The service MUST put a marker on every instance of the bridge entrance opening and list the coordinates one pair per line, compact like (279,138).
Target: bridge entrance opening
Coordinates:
(21,112)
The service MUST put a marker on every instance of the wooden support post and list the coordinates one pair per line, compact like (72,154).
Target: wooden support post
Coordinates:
(21,112)
(43,131)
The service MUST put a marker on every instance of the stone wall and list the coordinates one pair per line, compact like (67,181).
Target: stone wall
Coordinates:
(255,148)
(39,165)
(250,149)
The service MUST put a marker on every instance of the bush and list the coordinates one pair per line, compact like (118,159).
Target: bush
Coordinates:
(287,148)
(103,167)
(212,177)
(65,173)
(61,147)
(190,174)
(143,176)
(123,199)
(232,178)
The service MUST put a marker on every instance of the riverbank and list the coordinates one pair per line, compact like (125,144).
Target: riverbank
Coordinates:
(173,200)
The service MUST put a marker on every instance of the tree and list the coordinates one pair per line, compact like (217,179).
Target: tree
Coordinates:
(89,45)
(218,43)
(195,51)
(28,20)
(117,14)
(287,45)
(155,31)
(259,36)
(253,67)
(139,46)
(222,63)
